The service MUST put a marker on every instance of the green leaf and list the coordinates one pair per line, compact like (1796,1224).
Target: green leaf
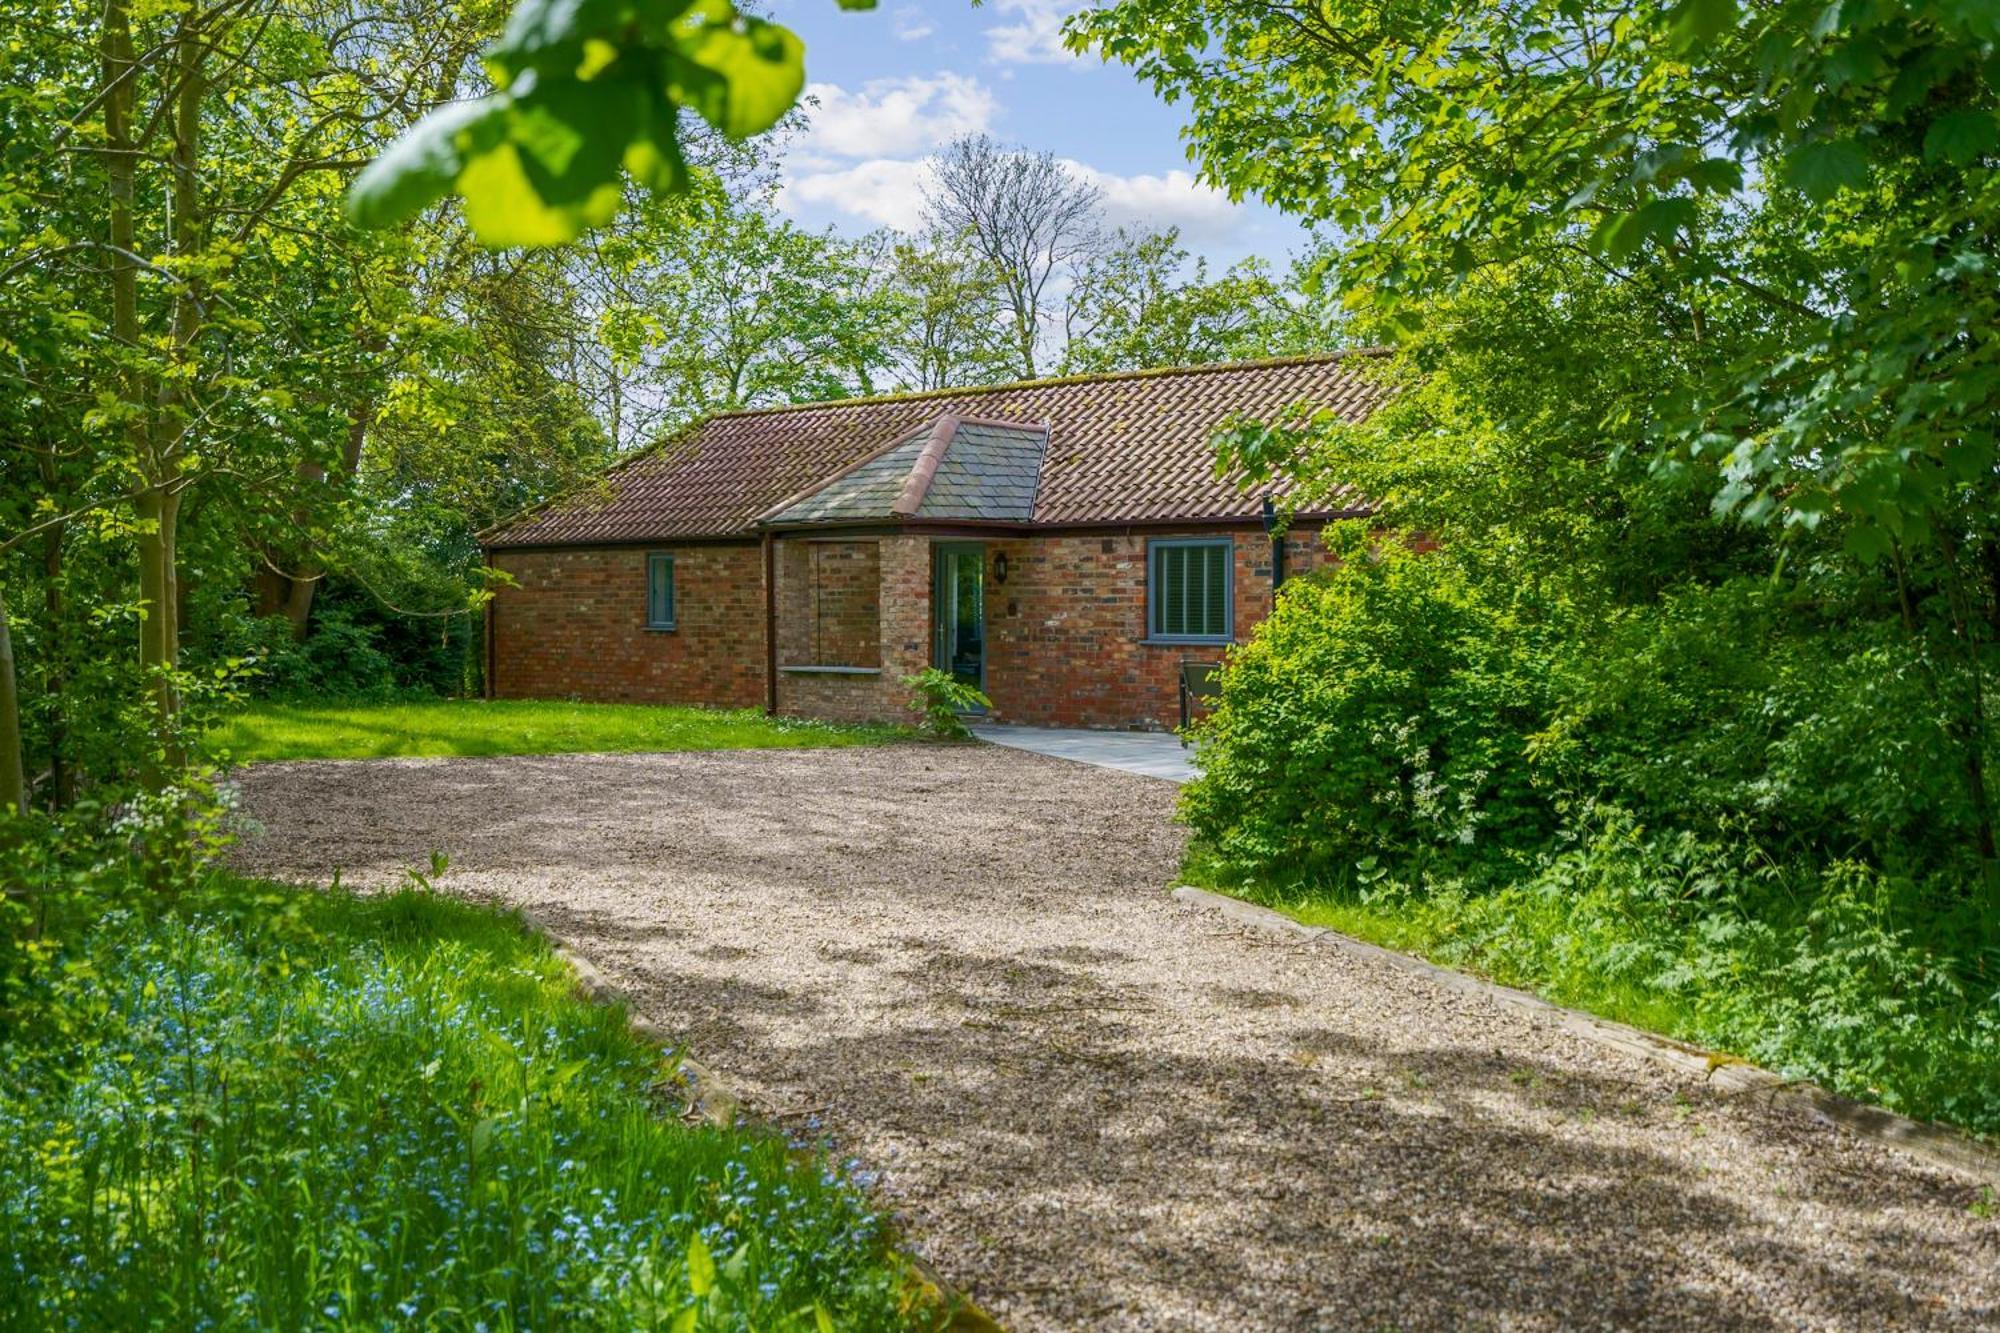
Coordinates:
(701,1266)
(1867,542)
(1825,168)
(555,172)
(504,208)
(742,76)
(593,86)
(1961,137)
(654,156)
(539,30)
(1696,21)
(421,167)
(572,134)
(1715,175)
(1659,220)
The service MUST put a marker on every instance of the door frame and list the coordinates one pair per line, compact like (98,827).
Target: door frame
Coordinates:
(944,593)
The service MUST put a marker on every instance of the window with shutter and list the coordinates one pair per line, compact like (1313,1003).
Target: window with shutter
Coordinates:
(1189,590)
(659,591)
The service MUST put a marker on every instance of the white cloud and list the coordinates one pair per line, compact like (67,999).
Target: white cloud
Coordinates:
(1035,35)
(910,23)
(1176,199)
(893,117)
(887,192)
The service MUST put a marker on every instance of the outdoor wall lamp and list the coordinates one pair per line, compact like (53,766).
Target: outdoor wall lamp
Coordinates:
(1000,568)
(1277,536)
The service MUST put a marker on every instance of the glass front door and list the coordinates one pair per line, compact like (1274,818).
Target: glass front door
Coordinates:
(958,610)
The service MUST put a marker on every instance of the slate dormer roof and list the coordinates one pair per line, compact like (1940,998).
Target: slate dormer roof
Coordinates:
(1132,447)
(953,468)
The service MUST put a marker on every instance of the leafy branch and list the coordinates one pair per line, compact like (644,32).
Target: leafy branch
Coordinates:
(588,90)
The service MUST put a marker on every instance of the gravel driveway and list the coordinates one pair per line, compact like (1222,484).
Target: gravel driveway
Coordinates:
(1096,1108)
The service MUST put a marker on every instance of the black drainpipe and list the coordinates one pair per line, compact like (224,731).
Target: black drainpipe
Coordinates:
(770,625)
(1277,537)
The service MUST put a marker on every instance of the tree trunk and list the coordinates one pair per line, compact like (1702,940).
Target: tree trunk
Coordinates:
(158,512)
(1971,726)
(1026,330)
(162,448)
(153,507)
(299,603)
(13,774)
(268,587)
(292,592)
(62,776)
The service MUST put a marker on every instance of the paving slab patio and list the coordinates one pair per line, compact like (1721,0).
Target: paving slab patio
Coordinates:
(1093,1107)
(1150,754)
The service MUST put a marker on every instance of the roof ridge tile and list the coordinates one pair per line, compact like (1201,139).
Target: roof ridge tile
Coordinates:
(918,484)
(1055,381)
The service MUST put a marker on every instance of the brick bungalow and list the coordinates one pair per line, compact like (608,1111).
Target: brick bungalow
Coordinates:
(1063,544)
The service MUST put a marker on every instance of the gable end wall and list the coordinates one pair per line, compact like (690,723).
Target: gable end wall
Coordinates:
(575,627)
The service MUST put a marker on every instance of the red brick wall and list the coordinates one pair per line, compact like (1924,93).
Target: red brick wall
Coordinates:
(901,624)
(830,603)
(1065,633)
(576,627)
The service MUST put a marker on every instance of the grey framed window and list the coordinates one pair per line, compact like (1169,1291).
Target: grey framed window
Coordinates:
(660,606)
(1190,594)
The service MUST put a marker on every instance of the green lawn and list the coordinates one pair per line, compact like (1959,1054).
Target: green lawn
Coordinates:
(456,727)
(286,1108)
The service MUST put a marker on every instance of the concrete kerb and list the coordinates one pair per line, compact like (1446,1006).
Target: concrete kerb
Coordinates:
(1935,1145)
(714,1102)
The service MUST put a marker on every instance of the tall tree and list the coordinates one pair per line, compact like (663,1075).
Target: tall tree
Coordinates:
(1031,217)
(185,223)
(1145,301)
(714,303)
(13,774)
(1828,177)
(955,325)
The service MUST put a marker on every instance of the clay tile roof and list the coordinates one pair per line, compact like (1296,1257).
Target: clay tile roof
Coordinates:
(1129,447)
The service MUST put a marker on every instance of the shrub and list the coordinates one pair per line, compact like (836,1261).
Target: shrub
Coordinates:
(340,658)
(1382,713)
(1711,813)
(1735,704)
(939,699)
(1815,973)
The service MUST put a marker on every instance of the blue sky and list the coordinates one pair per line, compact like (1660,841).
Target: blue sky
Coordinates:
(894,83)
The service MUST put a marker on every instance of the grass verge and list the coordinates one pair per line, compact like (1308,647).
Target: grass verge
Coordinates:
(445,728)
(274,1108)
(1437,937)
(1835,998)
